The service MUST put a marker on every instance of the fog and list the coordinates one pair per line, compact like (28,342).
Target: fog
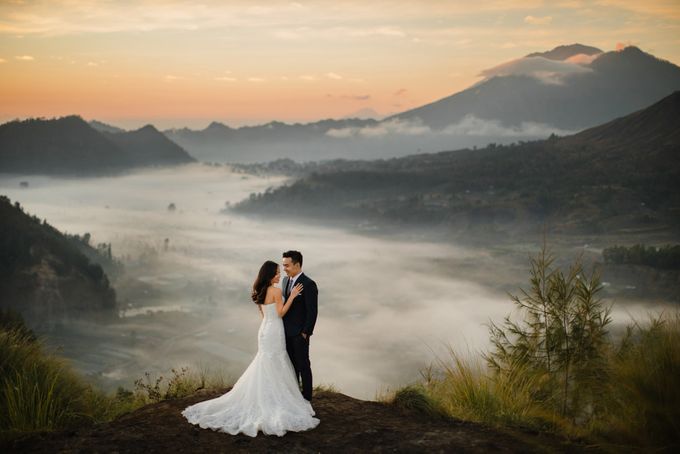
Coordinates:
(459,133)
(387,307)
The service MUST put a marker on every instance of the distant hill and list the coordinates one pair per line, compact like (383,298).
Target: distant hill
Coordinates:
(44,276)
(63,145)
(103,127)
(310,141)
(621,175)
(654,126)
(69,145)
(545,88)
(148,146)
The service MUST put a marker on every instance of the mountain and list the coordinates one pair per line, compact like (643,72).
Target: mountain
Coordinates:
(148,146)
(44,276)
(103,127)
(620,176)
(565,52)
(560,91)
(546,88)
(310,141)
(63,145)
(71,146)
(656,126)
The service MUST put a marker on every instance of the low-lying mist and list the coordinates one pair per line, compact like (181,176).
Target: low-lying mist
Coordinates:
(386,306)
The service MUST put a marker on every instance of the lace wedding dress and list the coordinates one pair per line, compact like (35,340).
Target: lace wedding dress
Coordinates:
(266,397)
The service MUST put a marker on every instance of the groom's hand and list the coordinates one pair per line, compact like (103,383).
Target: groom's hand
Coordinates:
(304,336)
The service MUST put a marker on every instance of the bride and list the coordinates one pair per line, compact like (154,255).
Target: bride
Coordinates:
(267,396)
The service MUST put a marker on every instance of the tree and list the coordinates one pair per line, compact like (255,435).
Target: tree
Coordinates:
(562,336)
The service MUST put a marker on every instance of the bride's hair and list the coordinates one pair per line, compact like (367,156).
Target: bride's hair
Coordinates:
(263,281)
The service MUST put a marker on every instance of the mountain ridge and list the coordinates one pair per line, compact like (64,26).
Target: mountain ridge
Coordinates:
(612,184)
(71,146)
(585,99)
(564,52)
(529,98)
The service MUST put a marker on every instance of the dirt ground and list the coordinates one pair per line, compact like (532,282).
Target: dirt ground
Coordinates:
(347,425)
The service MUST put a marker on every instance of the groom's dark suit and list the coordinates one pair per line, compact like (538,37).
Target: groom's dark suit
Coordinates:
(301,318)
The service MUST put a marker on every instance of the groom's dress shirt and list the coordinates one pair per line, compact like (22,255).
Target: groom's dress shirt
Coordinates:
(291,282)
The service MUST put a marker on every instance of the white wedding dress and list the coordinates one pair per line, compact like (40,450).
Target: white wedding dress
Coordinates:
(266,397)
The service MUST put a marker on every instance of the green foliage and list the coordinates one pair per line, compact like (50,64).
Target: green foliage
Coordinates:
(562,336)
(38,391)
(665,257)
(643,394)
(26,244)
(539,181)
(414,398)
(558,368)
(325,388)
(465,389)
(181,383)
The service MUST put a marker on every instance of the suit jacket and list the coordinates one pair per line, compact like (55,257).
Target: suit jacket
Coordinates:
(301,316)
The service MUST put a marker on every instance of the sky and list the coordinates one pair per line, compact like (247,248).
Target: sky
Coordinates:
(188,63)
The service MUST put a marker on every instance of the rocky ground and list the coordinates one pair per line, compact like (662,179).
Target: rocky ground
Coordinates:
(347,425)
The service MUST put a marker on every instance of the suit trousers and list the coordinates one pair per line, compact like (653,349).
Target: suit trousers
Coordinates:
(298,351)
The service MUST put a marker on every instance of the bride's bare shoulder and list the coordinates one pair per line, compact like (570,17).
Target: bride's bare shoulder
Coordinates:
(273,290)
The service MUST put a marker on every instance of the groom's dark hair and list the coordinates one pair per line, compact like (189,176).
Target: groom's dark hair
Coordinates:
(294,256)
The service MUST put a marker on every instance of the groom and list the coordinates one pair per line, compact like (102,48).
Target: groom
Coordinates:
(300,319)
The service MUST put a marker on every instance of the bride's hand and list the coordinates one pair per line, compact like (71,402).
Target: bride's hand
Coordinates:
(296,290)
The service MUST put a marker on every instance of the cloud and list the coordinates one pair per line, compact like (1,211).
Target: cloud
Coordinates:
(400,92)
(296,34)
(24,57)
(391,127)
(91,63)
(308,78)
(373,31)
(172,78)
(468,126)
(333,76)
(546,70)
(341,133)
(356,97)
(667,9)
(226,79)
(2,60)
(284,20)
(582,59)
(256,79)
(533,20)
(291,20)
(473,126)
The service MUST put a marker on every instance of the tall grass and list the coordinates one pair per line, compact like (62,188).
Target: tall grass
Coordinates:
(643,397)
(466,388)
(181,383)
(559,369)
(637,405)
(40,391)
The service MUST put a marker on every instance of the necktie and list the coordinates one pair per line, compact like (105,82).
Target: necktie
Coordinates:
(289,286)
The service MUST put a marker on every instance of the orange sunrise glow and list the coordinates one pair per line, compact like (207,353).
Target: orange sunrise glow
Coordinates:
(175,63)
